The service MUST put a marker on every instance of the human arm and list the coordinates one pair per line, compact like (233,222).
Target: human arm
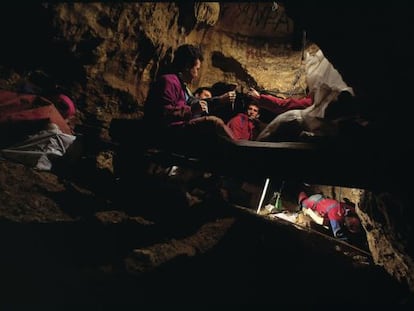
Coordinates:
(279,105)
(227,98)
(219,102)
(172,99)
(199,107)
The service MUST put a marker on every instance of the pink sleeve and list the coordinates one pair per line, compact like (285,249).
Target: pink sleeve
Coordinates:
(173,102)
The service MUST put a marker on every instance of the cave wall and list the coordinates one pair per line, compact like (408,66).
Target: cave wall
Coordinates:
(122,47)
(385,217)
(368,44)
(106,54)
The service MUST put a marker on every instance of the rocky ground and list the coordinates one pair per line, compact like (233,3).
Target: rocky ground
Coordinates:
(67,240)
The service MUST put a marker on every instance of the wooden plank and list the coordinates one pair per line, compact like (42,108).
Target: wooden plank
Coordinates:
(355,163)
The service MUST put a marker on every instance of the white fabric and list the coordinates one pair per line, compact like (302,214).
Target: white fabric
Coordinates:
(290,116)
(325,82)
(38,149)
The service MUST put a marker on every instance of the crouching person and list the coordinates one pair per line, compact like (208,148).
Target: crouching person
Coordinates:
(339,216)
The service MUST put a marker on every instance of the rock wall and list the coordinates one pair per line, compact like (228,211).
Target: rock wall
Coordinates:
(122,47)
(106,54)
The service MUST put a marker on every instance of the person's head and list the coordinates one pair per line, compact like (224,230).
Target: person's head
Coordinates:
(351,220)
(203,93)
(187,62)
(352,223)
(253,111)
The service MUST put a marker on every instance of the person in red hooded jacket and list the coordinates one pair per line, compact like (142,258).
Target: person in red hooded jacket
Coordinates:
(170,106)
(246,125)
(340,216)
(279,105)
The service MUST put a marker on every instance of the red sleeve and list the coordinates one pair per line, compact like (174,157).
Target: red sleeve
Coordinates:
(279,105)
(300,103)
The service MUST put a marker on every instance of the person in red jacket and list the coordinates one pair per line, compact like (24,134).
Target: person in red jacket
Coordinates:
(279,105)
(246,125)
(341,217)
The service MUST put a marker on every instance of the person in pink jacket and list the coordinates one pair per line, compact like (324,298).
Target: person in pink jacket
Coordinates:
(171,106)
(339,216)
(279,105)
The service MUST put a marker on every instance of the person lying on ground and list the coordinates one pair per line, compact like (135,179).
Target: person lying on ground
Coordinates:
(339,216)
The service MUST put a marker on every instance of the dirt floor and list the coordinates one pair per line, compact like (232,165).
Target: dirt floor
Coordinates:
(67,239)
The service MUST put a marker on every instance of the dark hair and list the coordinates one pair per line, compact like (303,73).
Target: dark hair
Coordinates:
(201,89)
(186,56)
(252,103)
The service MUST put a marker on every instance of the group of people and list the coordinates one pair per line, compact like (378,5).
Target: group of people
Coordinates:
(172,109)
(171,105)
(244,125)
(340,217)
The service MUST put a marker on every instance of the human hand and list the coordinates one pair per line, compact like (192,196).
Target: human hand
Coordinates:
(253,94)
(199,107)
(232,97)
(204,106)
(228,97)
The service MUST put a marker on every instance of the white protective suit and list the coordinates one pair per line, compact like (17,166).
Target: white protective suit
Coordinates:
(325,82)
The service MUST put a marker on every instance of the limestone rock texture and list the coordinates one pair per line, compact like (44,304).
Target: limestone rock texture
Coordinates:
(121,47)
(105,55)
